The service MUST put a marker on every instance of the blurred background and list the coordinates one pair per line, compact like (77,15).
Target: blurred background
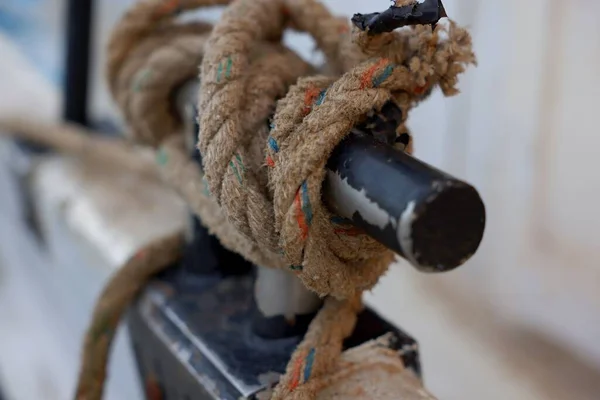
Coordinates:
(520,321)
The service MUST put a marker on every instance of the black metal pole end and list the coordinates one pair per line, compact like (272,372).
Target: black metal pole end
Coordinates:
(432,219)
(445,230)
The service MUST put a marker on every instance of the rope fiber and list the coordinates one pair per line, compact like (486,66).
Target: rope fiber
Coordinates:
(268,123)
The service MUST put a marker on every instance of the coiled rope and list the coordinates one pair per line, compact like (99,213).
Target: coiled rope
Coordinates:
(259,190)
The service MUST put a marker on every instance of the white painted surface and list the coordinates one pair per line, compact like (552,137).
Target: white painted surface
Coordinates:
(356,201)
(405,232)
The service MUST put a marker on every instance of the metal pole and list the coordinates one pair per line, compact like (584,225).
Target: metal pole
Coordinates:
(78,39)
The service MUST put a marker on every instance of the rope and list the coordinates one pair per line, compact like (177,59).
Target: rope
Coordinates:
(286,216)
(120,291)
(72,139)
(259,190)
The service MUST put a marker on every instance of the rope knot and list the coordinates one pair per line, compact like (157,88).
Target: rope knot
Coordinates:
(275,202)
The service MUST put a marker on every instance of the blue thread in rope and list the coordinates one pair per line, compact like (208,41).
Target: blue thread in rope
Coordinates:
(321,97)
(306,207)
(310,359)
(273,144)
(387,72)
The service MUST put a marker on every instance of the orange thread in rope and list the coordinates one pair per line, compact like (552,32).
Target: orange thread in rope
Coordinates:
(348,231)
(168,7)
(297,371)
(344,28)
(366,78)
(420,89)
(310,96)
(300,217)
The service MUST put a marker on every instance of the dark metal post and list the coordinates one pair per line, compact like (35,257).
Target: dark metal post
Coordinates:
(76,78)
